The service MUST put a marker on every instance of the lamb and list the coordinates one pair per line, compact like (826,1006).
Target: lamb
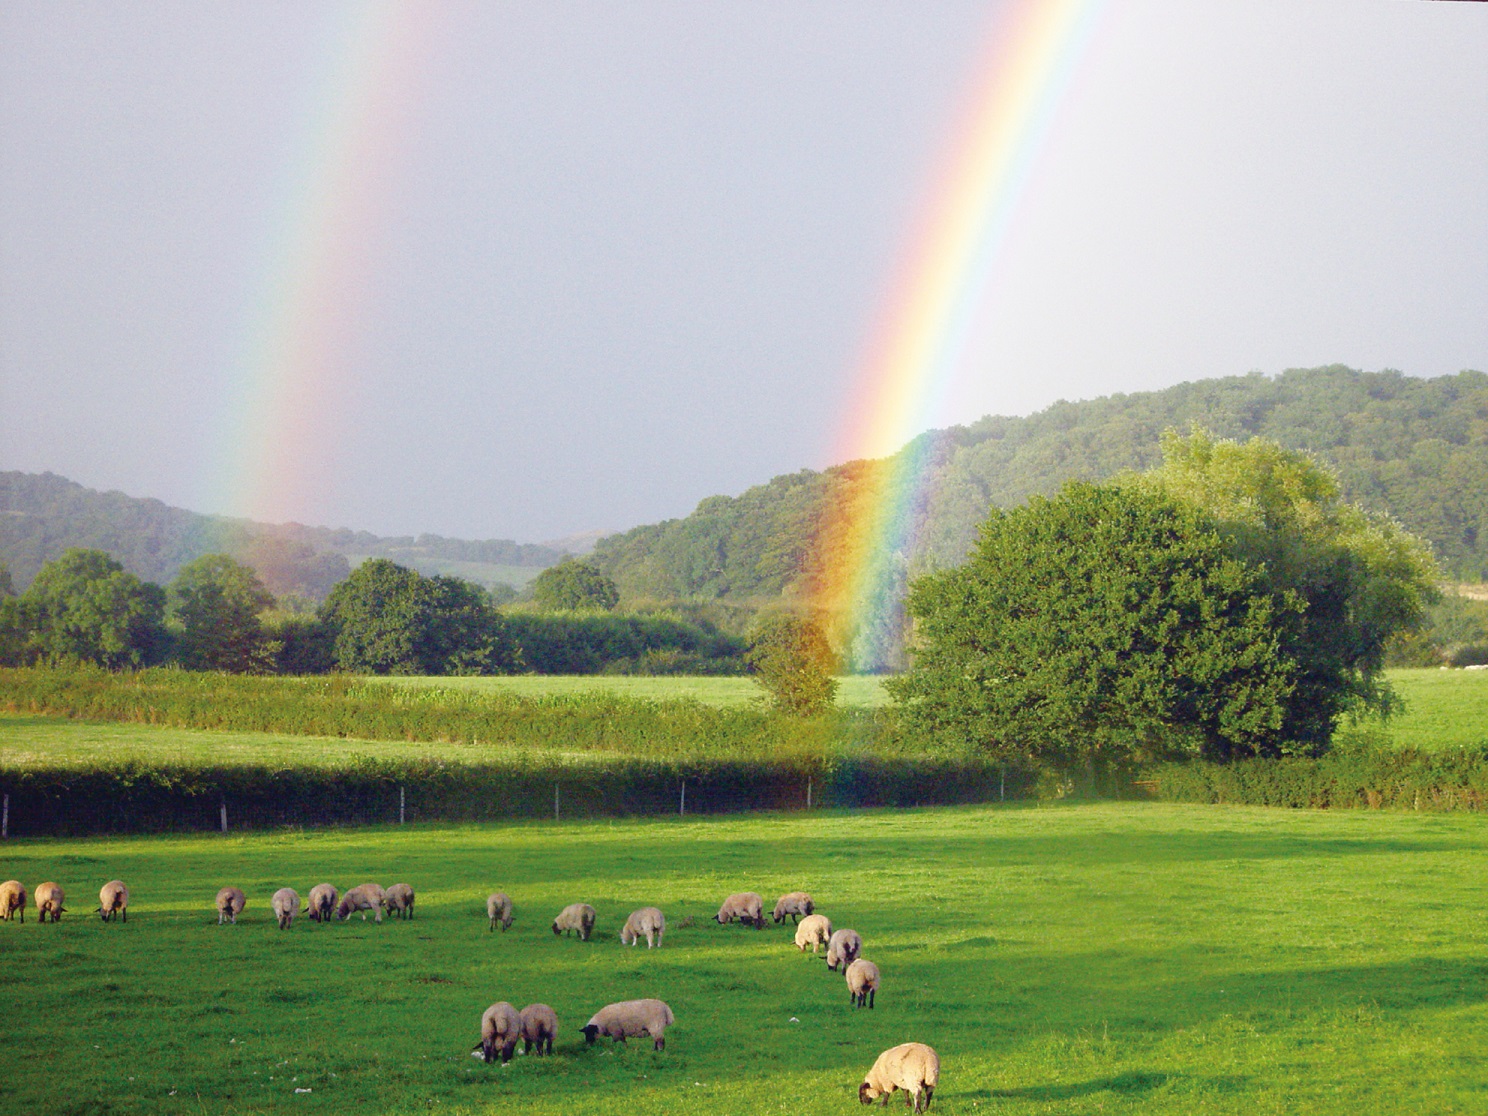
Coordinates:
(539,1026)
(862,983)
(648,922)
(49,901)
(230,904)
(797,904)
(578,917)
(843,948)
(399,900)
(630,1018)
(746,906)
(286,904)
(12,899)
(501,1027)
(813,930)
(911,1066)
(113,899)
(366,897)
(499,909)
(322,902)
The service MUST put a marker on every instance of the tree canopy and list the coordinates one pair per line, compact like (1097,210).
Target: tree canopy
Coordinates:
(574,586)
(84,607)
(217,602)
(793,661)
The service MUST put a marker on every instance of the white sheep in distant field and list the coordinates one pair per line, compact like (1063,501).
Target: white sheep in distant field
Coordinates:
(813,930)
(746,906)
(911,1066)
(648,923)
(286,905)
(862,983)
(230,904)
(322,903)
(113,899)
(49,902)
(539,1028)
(797,905)
(501,1027)
(12,900)
(365,897)
(843,948)
(576,917)
(499,909)
(399,900)
(630,1018)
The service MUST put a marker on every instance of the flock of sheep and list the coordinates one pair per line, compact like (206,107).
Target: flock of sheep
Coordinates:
(911,1066)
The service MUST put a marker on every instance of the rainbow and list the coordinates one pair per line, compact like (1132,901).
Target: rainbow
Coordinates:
(861,557)
(297,349)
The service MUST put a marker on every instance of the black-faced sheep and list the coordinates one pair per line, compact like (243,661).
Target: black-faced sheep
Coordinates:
(843,948)
(499,910)
(813,930)
(113,899)
(576,917)
(630,1018)
(746,906)
(648,923)
(539,1027)
(49,902)
(286,904)
(862,983)
(501,1027)
(230,904)
(322,902)
(364,898)
(12,900)
(911,1066)
(399,900)
(796,905)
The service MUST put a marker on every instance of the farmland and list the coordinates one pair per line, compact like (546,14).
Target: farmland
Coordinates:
(1107,958)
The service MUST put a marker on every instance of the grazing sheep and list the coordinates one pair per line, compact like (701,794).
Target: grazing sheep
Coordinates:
(648,922)
(501,1027)
(797,904)
(578,917)
(746,906)
(113,899)
(12,899)
(399,900)
(843,948)
(286,904)
(862,983)
(911,1066)
(322,902)
(539,1026)
(366,897)
(230,904)
(630,1018)
(813,930)
(499,909)
(49,902)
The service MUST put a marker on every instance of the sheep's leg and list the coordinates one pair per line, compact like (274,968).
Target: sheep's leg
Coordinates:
(872,992)
(929,1092)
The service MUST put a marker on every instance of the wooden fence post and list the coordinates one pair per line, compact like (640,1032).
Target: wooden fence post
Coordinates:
(224,815)
(400,805)
(682,806)
(1001,784)
(555,801)
(808,794)
(5,818)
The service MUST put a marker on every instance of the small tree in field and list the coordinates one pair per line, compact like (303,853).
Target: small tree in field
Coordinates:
(218,602)
(793,662)
(574,586)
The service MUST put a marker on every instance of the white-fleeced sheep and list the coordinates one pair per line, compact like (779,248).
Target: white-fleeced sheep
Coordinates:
(814,930)
(862,983)
(286,905)
(911,1066)
(364,897)
(501,1027)
(539,1028)
(630,1018)
(796,905)
(843,948)
(746,906)
(230,904)
(648,923)
(12,900)
(399,900)
(49,902)
(322,903)
(499,910)
(578,917)
(113,899)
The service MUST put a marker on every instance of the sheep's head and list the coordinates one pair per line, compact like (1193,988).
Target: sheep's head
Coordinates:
(867,1094)
(556,931)
(590,1030)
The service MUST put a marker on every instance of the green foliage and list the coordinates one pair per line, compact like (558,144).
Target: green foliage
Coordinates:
(1104,626)
(793,663)
(574,586)
(84,607)
(591,643)
(217,603)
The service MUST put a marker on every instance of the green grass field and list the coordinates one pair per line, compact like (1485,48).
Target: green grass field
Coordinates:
(726,690)
(1092,959)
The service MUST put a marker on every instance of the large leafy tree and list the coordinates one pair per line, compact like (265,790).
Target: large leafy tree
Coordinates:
(1103,625)
(217,602)
(84,607)
(574,586)
(793,662)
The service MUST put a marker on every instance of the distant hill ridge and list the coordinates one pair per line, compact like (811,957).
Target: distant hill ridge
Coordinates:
(1414,448)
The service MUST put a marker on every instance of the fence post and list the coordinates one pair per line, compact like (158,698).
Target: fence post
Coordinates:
(555,801)
(682,807)
(400,804)
(1001,784)
(808,794)
(224,815)
(5,818)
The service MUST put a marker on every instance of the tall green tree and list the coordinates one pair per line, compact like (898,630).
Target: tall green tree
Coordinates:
(1101,626)
(793,662)
(574,586)
(84,607)
(218,604)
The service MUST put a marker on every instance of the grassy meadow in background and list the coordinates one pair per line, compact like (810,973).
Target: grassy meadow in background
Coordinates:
(1115,958)
(726,691)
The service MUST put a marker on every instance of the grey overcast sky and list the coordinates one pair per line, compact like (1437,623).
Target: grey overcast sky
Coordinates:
(605,260)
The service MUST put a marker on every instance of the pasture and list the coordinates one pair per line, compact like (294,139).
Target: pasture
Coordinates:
(1112,958)
(727,691)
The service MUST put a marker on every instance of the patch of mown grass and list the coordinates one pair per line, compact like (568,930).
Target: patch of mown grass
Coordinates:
(864,691)
(1110,958)
(1443,709)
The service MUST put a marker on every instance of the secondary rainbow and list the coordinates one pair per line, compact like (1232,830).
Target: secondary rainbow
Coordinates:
(866,538)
